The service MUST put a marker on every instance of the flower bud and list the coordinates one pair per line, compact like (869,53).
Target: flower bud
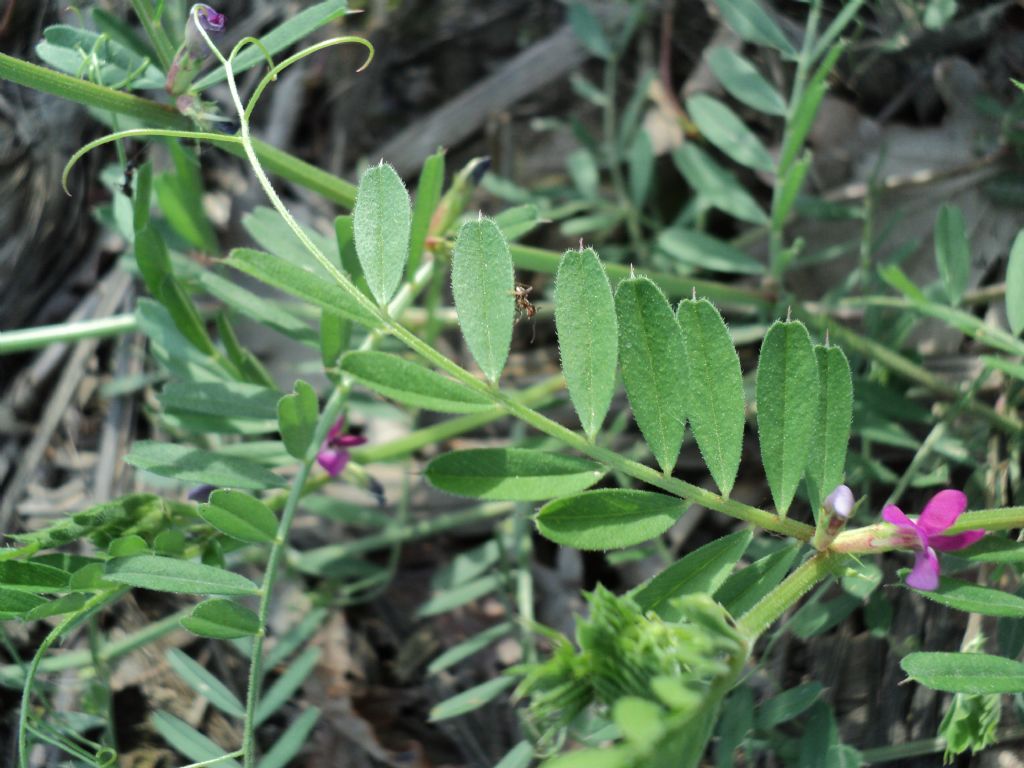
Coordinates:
(213,23)
(840,502)
(194,50)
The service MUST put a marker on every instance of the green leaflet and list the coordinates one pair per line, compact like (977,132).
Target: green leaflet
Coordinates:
(240,516)
(587,334)
(300,283)
(511,474)
(744,83)
(191,465)
(715,185)
(297,415)
(751,22)
(964,596)
(827,463)
(699,250)
(381,224)
(227,399)
(653,356)
(952,252)
(703,570)
(787,406)
(716,383)
(723,128)
(482,284)
(609,518)
(965,672)
(1015,285)
(168,574)
(412,384)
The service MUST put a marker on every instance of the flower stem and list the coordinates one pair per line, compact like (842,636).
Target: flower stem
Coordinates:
(793,587)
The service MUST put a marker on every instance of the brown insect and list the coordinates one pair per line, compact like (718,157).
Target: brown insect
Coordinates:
(524,307)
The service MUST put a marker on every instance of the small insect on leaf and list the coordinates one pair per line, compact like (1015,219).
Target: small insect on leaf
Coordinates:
(524,308)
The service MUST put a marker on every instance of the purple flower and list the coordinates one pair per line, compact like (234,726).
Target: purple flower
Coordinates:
(202,15)
(925,535)
(333,454)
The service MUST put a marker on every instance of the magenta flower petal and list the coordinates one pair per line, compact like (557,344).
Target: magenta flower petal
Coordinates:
(349,441)
(942,511)
(956,541)
(926,571)
(893,514)
(332,460)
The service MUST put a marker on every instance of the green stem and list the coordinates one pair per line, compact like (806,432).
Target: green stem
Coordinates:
(793,587)
(94,603)
(157,34)
(41,336)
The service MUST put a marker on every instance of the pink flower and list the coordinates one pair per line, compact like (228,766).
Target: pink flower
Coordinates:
(333,454)
(924,535)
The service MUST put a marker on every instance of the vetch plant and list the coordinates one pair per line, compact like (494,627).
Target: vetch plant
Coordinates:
(653,676)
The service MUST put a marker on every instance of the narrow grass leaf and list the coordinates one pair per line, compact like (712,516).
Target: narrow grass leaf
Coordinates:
(703,570)
(240,516)
(964,596)
(470,646)
(412,384)
(952,252)
(807,108)
(287,684)
(726,131)
(610,518)
(1015,285)
(188,741)
(470,700)
(297,415)
(428,195)
(744,83)
(482,284)
(587,334)
(291,742)
(381,223)
(511,474)
(653,357)
(745,588)
(749,20)
(787,406)
(221,619)
(168,574)
(971,673)
(299,282)
(196,467)
(204,683)
(295,637)
(827,462)
(716,384)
